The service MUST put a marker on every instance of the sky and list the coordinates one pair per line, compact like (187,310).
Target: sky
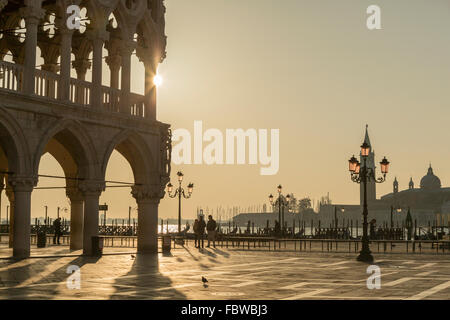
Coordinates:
(311,69)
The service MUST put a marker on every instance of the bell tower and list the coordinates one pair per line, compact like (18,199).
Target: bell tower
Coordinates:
(395,185)
(411,184)
(370,161)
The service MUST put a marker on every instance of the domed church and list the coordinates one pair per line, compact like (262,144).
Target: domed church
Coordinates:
(427,203)
(430,196)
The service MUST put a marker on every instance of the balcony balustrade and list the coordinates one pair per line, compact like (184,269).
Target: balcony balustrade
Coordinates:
(46,86)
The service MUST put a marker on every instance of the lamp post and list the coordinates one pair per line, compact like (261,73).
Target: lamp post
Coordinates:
(180,192)
(399,210)
(281,203)
(362,175)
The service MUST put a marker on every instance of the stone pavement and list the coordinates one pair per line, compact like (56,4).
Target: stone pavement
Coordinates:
(232,274)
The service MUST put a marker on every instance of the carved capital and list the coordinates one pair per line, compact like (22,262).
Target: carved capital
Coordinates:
(32,14)
(74,194)
(127,48)
(91,188)
(22,183)
(81,65)
(114,61)
(148,193)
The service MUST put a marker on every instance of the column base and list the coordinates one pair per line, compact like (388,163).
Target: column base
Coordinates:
(21,253)
(76,246)
(365,256)
(148,250)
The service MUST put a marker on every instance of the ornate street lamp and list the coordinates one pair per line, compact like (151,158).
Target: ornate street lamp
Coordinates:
(363,175)
(281,202)
(180,193)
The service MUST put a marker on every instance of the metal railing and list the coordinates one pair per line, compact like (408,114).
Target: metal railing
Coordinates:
(275,244)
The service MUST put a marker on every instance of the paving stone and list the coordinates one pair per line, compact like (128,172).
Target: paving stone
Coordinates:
(232,274)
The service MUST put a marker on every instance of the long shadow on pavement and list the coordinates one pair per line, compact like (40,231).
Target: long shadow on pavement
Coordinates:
(145,281)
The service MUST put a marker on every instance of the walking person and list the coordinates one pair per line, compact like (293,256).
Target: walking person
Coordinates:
(201,232)
(196,233)
(211,228)
(57,232)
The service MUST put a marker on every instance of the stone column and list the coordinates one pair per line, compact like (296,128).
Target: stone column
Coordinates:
(22,187)
(147,199)
(97,37)
(10,195)
(76,219)
(32,15)
(125,51)
(91,193)
(81,66)
(150,89)
(66,50)
(114,62)
(2,186)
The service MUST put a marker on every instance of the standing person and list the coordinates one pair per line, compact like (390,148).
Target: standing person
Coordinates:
(211,228)
(372,234)
(57,228)
(201,232)
(277,228)
(196,233)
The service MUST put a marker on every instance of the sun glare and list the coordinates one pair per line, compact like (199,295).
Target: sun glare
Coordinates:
(158,80)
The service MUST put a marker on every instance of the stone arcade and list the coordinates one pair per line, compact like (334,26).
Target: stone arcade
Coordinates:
(78,122)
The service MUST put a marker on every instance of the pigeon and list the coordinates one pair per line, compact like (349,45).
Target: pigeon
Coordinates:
(204,280)
(133,256)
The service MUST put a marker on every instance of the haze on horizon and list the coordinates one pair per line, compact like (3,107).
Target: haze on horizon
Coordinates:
(311,69)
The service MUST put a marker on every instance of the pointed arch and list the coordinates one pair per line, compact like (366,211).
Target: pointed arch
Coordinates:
(135,149)
(13,143)
(71,145)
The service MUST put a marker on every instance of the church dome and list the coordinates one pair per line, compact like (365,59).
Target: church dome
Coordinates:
(430,181)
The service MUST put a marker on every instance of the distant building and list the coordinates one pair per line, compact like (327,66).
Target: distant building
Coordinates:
(427,203)
(430,203)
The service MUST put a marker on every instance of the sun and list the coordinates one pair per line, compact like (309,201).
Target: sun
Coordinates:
(158,80)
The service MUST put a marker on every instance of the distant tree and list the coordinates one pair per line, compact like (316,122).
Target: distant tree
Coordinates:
(304,204)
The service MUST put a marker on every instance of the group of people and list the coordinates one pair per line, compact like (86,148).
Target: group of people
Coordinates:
(199,230)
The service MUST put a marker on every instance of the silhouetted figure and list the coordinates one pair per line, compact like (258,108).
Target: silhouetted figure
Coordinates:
(196,233)
(57,227)
(372,229)
(277,228)
(211,228)
(201,232)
